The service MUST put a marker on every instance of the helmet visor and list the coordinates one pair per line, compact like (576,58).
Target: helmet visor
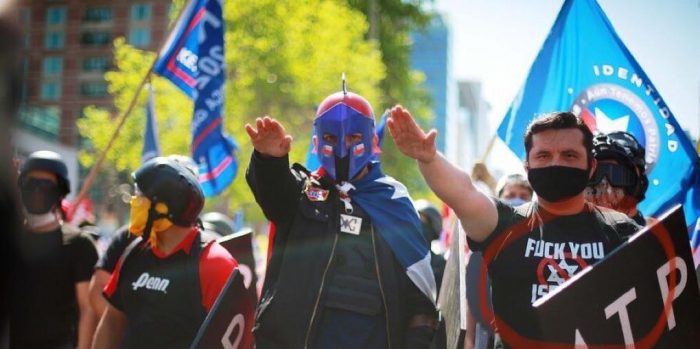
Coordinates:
(617,175)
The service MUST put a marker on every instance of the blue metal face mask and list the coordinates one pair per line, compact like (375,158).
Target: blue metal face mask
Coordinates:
(340,117)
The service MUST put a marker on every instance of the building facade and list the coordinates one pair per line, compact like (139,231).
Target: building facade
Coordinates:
(430,54)
(67,46)
(470,137)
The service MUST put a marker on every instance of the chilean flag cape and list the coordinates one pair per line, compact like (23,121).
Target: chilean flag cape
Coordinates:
(393,215)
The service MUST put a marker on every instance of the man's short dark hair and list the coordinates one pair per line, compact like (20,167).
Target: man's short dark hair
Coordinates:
(559,121)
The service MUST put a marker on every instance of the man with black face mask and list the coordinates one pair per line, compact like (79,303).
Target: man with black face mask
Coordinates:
(533,248)
(50,306)
(349,266)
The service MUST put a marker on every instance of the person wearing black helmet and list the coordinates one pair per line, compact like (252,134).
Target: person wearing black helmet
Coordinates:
(166,280)
(50,307)
(217,223)
(620,181)
(120,239)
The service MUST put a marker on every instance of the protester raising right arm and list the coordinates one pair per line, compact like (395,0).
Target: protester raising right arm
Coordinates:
(476,211)
(274,186)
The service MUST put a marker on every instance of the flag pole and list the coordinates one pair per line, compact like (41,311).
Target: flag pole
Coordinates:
(487,152)
(122,119)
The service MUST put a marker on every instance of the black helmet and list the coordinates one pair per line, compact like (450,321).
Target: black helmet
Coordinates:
(166,180)
(624,148)
(218,223)
(46,160)
(432,214)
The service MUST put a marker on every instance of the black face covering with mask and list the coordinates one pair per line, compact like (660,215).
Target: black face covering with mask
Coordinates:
(556,183)
(342,169)
(39,196)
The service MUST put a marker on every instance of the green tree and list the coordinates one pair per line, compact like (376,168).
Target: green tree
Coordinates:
(391,22)
(282,59)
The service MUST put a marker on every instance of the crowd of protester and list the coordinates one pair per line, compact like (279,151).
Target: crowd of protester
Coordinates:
(353,261)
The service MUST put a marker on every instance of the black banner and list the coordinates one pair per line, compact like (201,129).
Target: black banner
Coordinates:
(240,246)
(644,294)
(230,322)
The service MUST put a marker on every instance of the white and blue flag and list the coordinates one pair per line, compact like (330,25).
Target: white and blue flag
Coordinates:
(393,215)
(585,68)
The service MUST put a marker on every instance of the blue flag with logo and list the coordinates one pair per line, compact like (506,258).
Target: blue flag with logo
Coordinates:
(193,59)
(151,149)
(585,68)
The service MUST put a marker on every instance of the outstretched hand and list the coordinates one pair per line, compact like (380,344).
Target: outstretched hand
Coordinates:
(268,137)
(409,137)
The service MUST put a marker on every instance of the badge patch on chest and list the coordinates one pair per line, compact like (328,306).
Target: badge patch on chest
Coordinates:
(350,224)
(316,194)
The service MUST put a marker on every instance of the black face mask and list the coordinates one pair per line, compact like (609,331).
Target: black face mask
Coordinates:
(556,183)
(342,169)
(39,196)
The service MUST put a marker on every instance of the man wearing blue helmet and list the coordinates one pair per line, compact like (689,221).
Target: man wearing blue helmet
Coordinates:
(349,266)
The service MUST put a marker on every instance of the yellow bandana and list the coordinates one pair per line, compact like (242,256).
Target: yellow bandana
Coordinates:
(139,217)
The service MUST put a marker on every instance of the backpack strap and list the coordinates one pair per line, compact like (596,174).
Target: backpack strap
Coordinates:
(128,249)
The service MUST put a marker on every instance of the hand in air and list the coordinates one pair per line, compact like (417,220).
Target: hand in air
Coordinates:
(268,137)
(409,137)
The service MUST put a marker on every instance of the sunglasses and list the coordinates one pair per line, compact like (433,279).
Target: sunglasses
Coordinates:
(36,184)
(616,175)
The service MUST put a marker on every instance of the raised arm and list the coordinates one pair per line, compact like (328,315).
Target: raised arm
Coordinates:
(476,211)
(274,186)
(269,137)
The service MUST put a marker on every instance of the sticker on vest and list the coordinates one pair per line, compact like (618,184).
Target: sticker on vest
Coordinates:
(350,224)
(316,194)
(151,283)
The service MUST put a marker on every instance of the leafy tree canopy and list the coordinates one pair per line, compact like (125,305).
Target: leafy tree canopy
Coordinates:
(282,59)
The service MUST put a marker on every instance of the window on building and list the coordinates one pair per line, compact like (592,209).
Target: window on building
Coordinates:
(140,12)
(52,66)
(54,40)
(55,15)
(50,90)
(45,120)
(139,37)
(95,39)
(96,64)
(94,89)
(97,14)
